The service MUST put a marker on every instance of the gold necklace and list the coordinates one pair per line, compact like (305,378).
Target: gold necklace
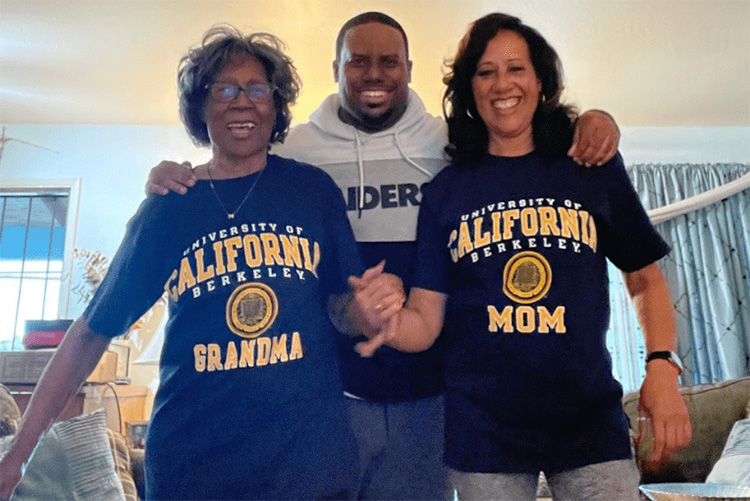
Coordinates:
(230,215)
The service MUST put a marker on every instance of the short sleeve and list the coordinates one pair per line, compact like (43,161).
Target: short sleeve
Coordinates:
(431,270)
(626,234)
(137,273)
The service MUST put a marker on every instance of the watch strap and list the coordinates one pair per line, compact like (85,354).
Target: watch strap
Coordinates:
(664,355)
(669,356)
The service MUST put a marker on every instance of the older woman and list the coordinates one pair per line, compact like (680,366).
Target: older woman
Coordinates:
(250,404)
(513,240)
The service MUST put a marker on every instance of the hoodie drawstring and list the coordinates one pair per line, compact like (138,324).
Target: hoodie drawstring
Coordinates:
(409,160)
(360,164)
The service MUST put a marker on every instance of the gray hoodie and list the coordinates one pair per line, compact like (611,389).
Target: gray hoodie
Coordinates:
(389,167)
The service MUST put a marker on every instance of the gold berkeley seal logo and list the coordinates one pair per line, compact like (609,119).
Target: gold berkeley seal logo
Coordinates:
(251,309)
(527,277)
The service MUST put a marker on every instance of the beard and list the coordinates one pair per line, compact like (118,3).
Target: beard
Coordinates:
(371,123)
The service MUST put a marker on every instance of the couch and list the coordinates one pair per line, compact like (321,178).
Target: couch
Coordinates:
(76,457)
(714,408)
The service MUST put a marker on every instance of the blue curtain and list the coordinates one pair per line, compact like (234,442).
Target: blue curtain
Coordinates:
(708,272)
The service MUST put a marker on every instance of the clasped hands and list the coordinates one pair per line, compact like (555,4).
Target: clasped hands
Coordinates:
(377,298)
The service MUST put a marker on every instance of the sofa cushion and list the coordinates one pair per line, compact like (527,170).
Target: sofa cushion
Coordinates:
(121,455)
(10,415)
(137,457)
(714,408)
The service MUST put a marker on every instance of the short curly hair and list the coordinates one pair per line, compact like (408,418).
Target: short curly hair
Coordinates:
(200,66)
(553,121)
(366,18)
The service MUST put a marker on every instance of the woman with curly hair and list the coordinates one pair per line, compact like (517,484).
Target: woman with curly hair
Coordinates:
(250,403)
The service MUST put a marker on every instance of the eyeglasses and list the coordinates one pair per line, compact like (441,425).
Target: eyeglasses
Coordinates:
(256,92)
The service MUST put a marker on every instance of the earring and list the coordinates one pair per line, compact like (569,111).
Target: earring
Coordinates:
(468,113)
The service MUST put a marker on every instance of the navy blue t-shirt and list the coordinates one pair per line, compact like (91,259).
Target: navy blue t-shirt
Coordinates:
(391,375)
(520,247)
(250,402)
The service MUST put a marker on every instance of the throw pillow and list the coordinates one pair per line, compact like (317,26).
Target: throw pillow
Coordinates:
(72,461)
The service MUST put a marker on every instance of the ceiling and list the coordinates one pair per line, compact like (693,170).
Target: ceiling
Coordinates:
(656,62)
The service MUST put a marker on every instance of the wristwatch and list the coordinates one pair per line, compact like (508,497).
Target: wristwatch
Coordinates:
(669,356)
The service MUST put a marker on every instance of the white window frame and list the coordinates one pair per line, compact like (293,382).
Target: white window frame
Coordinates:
(40,187)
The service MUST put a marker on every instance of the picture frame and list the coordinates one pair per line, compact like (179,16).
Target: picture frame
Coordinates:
(136,434)
(122,349)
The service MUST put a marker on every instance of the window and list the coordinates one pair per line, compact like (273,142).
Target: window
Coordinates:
(37,230)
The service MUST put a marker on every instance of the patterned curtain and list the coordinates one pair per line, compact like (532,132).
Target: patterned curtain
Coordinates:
(703,211)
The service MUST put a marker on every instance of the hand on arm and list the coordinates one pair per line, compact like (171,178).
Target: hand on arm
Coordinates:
(595,139)
(170,176)
(377,296)
(73,361)
(413,328)
(372,298)
(660,401)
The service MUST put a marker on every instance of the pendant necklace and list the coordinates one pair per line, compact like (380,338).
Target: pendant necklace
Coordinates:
(230,215)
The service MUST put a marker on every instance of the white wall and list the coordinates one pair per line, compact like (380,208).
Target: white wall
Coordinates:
(685,144)
(648,62)
(113,163)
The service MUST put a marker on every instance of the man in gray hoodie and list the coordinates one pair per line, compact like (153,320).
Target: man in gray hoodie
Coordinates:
(376,139)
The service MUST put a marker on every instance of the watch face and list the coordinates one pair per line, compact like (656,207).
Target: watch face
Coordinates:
(669,356)
(675,359)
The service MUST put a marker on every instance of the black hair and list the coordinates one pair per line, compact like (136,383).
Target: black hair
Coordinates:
(369,17)
(553,122)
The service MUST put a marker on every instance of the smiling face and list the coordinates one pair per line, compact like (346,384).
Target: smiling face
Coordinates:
(506,93)
(373,74)
(240,129)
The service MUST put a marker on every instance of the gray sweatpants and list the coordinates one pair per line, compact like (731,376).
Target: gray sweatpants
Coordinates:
(401,449)
(609,481)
